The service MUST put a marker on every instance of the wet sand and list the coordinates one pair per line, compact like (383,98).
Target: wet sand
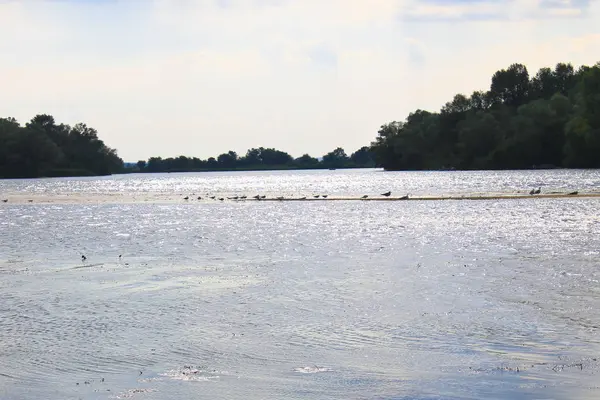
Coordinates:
(163,198)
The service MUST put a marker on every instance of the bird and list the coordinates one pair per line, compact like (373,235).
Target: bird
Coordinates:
(573,193)
(257,197)
(324,196)
(538,190)
(317,196)
(243,197)
(30,201)
(404,197)
(5,200)
(302,198)
(386,194)
(263,197)
(220,198)
(365,196)
(186,198)
(213,197)
(199,197)
(280,198)
(532,191)
(83,258)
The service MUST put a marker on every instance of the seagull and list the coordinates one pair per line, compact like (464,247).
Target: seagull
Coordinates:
(263,197)
(324,196)
(538,190)
(573,193)
(317,196)
(83,258)
(365,196)
(186,198)
(220,198)
(199,197)
(532,191)
(404,197)
(213,197)
(257,197)
(386,194)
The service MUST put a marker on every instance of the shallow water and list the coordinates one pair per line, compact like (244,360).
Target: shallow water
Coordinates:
(495,299)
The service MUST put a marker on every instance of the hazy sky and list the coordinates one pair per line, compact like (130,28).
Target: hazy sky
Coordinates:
(201,77)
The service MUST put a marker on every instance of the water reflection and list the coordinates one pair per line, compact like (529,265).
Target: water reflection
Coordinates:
(423,300)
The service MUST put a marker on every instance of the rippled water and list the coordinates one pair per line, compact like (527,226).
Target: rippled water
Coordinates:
(496,299)
(337,182)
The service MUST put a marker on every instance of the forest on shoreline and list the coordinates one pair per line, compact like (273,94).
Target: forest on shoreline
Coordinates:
(550,120)
(43,148)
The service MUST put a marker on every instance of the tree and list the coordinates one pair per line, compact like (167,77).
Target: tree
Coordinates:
(362,157)
(306,161)
(227,160)
(43,148)
(141,165)
(510,86)
(336,158)
(554,119)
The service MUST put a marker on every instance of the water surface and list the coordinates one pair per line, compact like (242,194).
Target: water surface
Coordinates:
(495,299)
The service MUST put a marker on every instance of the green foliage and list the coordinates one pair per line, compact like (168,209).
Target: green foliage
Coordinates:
(552,119)
(260,159)
(42,148)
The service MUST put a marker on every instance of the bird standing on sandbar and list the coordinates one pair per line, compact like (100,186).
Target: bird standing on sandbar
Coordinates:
(365,196)
(386,194)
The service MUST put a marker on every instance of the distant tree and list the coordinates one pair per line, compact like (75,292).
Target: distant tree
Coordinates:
(552,119)
(212,163)
(141,165)
(336,158)
(227,160)
(306,161)
(362,157)
(43,148)
(510,86)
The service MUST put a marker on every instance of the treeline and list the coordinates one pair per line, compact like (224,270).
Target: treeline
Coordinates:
(42,148)
(257,159)
(549,120)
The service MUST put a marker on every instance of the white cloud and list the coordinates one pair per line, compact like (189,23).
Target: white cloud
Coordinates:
(202,77)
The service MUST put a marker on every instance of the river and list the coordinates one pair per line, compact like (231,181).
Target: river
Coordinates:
(451,299)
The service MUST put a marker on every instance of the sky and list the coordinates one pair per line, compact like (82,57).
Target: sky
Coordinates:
(202,77)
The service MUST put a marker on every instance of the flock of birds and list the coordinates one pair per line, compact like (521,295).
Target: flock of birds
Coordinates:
(263,197)
(316,196)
